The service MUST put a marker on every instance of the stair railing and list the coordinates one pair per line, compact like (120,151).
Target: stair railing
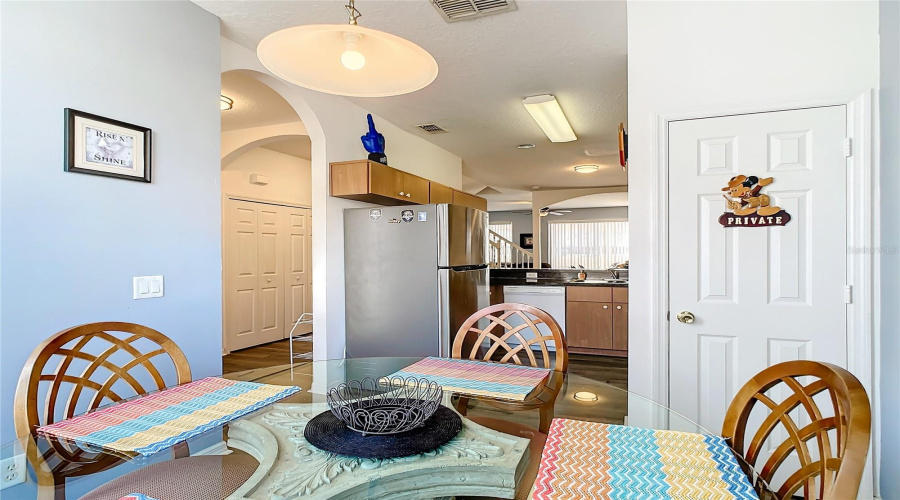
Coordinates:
(506,254)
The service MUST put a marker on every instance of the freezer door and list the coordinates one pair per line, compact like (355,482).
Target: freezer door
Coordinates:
(462,236)
(462,293)
(390,272)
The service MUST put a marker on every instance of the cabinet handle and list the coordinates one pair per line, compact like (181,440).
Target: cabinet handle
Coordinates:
(606,307)
(407,195)
(401,193)
(618,307)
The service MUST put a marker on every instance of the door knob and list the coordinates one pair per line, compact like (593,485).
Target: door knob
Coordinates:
(685,317)
(269,280)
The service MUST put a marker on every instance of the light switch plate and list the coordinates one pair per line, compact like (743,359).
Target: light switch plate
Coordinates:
(13,471)
(147,287)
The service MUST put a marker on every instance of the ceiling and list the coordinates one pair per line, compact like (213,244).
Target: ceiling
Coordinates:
(575,50)
(594,201)
(255,104)
(295,146)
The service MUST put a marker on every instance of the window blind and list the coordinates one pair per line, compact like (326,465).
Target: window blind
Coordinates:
(592,244)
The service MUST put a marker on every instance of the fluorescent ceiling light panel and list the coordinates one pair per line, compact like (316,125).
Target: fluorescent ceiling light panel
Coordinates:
(549,116)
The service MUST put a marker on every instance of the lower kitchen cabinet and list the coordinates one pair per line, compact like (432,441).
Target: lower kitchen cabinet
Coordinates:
(597,320)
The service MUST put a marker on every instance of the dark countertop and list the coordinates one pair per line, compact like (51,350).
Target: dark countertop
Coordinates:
(517,281)
(549,277)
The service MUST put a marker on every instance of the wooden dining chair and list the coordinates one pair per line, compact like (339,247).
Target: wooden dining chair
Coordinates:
(833,468)
(81,369)
(470,344)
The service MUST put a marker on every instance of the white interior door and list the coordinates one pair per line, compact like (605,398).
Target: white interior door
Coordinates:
(759,295)
(266,271)
(241,274)
(298,261)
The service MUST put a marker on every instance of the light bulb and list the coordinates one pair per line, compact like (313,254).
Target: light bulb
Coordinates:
(352,58)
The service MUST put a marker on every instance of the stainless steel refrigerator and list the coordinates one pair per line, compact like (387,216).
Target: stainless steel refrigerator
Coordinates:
(413,275)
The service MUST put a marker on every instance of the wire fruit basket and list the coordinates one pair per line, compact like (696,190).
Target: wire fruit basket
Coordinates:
(384,406)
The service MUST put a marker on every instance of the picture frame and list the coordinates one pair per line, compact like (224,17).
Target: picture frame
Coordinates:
(526,240)
(102,146)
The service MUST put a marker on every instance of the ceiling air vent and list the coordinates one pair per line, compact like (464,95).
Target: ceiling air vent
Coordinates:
(432,128)
(460,10)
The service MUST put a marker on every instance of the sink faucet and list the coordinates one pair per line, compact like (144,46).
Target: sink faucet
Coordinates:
(613,273)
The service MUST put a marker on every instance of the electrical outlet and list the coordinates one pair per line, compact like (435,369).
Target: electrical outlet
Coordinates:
(13,471)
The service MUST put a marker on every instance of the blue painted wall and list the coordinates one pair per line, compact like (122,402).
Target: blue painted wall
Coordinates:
(889,30)
(70,243)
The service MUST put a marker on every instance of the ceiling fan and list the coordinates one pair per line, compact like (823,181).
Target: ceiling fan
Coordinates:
(544,212)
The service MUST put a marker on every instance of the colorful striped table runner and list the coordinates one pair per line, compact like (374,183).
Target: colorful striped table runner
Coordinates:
(478,378)
(586,460)
(162,419)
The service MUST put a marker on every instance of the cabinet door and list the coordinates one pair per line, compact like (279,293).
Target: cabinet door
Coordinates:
(440,193)
(415,189)
(620,326)
(467,200)
(349,178)
(589,324)
(385,181)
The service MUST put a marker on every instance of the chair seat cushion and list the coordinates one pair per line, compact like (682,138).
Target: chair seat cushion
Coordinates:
(195,478)
(592,460)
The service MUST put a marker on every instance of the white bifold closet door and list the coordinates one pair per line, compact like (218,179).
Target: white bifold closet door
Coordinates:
(266,271)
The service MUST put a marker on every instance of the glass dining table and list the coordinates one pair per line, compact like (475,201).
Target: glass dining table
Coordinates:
(496,455)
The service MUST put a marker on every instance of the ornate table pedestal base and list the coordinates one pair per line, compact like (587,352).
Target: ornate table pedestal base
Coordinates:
(477,462)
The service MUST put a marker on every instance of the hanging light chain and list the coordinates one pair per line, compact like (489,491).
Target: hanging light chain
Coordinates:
(354,14)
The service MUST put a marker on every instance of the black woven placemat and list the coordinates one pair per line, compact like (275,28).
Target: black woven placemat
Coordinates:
(328,433)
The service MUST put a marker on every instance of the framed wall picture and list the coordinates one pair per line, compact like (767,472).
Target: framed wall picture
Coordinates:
(526,240)
(102,146)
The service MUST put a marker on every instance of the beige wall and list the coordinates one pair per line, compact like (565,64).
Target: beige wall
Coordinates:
(289,177)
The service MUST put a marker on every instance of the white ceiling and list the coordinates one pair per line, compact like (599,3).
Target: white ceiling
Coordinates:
(594,201)
(575,50)
(295,146)
(255,104)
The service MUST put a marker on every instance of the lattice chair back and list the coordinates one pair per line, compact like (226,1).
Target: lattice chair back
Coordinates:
(511,331)
(830,441)
(82,368)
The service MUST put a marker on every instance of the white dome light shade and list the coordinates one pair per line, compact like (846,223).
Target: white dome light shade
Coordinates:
(347,60)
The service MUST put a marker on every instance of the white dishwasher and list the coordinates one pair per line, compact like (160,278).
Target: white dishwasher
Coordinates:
(550,299)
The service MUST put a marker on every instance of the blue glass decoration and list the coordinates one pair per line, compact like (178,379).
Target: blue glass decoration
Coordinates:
(373,141)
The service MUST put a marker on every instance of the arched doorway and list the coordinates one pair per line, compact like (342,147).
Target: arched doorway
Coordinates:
(266,186)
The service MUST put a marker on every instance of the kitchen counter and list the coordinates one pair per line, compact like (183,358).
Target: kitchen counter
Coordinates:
(551,281)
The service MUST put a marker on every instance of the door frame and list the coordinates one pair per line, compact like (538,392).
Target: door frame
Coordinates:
(863,235)
(226,349)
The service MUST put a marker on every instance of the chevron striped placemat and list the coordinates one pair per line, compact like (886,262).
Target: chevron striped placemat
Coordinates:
(162,419)
(478,378)
(586,460)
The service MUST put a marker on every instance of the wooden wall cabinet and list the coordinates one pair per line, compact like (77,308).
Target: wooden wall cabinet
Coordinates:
(441,193)
(372,182)
(597,320)
(468,200)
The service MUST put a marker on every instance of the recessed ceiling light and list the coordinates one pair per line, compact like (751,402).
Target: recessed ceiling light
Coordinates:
(525,146)
(226,103)
(586,169)
(585,396)
(550,117)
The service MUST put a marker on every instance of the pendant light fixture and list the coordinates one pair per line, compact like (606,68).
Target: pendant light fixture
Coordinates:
(347,59)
